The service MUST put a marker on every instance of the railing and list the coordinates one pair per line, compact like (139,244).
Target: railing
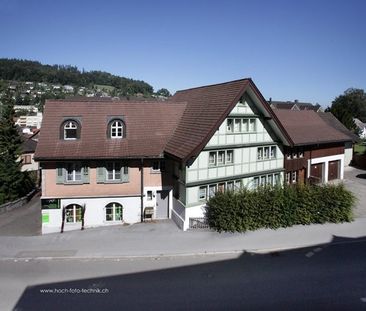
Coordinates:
(198,223)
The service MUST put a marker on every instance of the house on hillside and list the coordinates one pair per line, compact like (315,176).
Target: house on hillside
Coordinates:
(316,152)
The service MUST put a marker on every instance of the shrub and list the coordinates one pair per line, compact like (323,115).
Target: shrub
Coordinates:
(275,207)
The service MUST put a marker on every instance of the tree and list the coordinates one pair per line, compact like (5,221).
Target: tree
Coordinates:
(163,92)
(13,182)
(351,104)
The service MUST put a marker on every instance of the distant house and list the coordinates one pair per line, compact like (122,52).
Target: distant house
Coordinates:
(361,126)
(295,105)
(28,149)
(316,152)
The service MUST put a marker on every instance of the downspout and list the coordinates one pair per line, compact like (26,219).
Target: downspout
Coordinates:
(142,189)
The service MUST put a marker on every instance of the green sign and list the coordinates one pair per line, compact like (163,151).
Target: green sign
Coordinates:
(45,218)
(51,204)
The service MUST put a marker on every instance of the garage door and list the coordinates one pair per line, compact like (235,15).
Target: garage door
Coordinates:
(333,170)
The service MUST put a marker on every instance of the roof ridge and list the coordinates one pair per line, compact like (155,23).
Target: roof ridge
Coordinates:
(215,84)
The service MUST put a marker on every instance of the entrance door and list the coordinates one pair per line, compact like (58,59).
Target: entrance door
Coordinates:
(333,170)
(162,204)
(316,172)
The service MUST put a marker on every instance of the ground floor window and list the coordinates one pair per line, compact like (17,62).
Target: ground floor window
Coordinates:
(270,179)
(292,177)
(73,213)
(113,212)
(211,190)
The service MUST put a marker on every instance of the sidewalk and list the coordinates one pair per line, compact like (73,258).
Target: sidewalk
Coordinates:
(165,239)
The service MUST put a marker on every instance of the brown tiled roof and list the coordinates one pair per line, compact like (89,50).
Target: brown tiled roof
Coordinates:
(148,127)
(306,127)
(333,121)
(207,107)
(282,105)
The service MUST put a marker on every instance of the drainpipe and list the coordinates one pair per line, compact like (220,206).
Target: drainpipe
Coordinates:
(142,189)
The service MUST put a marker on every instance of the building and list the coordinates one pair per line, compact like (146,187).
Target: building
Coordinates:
(108,162)
(295,105)
(316,152)
(361,126)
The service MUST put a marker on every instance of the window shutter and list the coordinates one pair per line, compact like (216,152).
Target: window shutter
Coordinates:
(101,174)
(59,173)
(85,173)
(124,174)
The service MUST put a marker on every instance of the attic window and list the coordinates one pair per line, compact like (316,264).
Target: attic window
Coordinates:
(71,130)
(116,129)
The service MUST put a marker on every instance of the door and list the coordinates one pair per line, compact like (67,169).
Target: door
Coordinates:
(316,173)
(333,170)
(162,204)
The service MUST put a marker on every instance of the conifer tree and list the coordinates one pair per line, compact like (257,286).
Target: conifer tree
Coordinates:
(13,183)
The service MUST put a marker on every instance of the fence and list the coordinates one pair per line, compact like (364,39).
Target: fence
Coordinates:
(198,223)
(6,207)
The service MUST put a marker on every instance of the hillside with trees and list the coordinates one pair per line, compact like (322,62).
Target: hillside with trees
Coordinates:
(25,70)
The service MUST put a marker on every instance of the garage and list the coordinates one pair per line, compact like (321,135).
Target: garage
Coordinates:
(333,170)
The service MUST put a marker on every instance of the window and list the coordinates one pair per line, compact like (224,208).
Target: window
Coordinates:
(288,178)
(158,166)
(212,159)
(222,157)
(26,159)
(252,125)
(277,179)
(294,177)
(203,193)
(241,125)
(113,212)
(70,130)
(270,180)
(273,151)
(245,125)
(230,186)
(211,190)
(266,153)
(263,180)
(229,125)
(229,156)
(73,213)
(301,153)
(116,129)
(237,184)
(73,172)
(256,182)
(149,195)
(113,171)
(221,187)
(237,125)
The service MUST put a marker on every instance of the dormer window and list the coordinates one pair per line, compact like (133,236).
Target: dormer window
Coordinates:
(70,130)
(116,129)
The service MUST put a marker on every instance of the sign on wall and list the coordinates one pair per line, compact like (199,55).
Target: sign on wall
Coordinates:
(51,203)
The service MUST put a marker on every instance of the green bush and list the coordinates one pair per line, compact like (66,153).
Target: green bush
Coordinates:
(275,207)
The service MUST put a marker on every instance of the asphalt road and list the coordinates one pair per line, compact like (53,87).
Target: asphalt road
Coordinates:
(329,277)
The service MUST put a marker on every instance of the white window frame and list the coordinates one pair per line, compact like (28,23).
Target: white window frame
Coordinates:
(116,129)
(202,193)
(221,157)
(70,126)
(230,125)
(210,162)
(114,206)
(252,125)
(210,193)
(73,210)
(114,171)
(229,157)
(294,177)
(73,170)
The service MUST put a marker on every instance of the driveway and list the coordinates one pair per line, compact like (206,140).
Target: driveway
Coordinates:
(22,221)
(355,181)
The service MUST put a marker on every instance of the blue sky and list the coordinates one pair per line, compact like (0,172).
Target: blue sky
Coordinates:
(306,50)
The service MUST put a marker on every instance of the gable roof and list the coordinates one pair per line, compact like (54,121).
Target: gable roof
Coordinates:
(148,128)
(306,127)
(333,121)
(295,105)
(207,108)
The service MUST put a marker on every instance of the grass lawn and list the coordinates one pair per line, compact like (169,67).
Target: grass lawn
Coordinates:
(360,148)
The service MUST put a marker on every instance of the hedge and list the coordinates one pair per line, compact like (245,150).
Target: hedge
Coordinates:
(275,207)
